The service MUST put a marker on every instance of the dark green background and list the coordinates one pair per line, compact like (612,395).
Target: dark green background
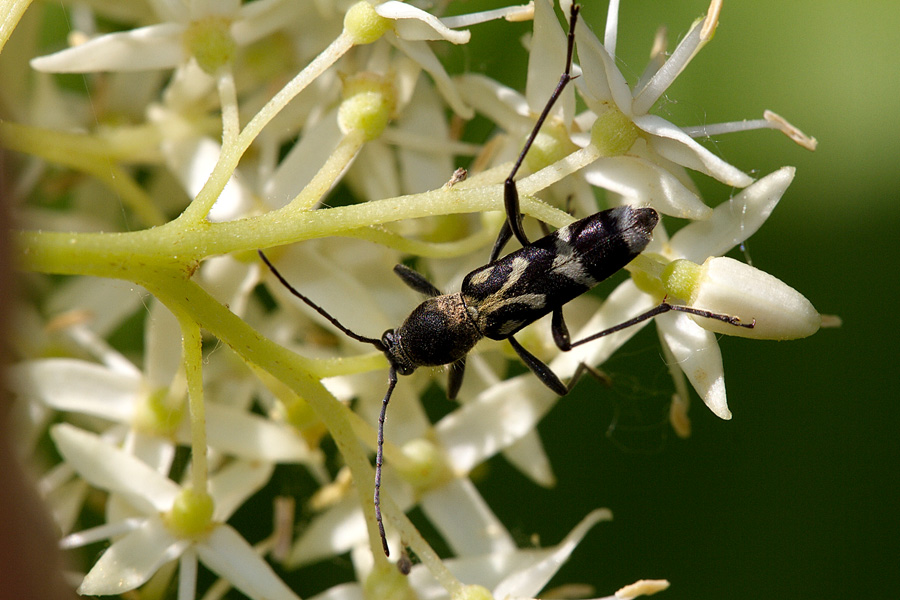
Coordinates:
(797,496)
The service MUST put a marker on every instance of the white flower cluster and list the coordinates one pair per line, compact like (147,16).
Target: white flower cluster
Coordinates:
(217,127)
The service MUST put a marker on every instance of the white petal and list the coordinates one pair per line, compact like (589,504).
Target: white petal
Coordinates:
(734,221)
(230,281)
(529,581)
(422,171)
(414,24)
(107,302)
(601,79)
(155,451)
(106,531)
(162,346)
(643,587)
(188,86)
(734,288)
(673,143)
(66,503)
(343,591)
(698,355)
(93,343)
(229,555)
(465,520)
(349,296)
(231,486)
(259,19)
(171,10)
(528,456)
(502,105)
(73,385)
(205,8)
(109,468)
(187,574)
(375,172)
(303,161)
(192,160)
(239,433)
(499,416)
(132,560)
(330,533)
(153,47)
(647,96)
(422,54)
(546,59)
(611,32)
(644,184)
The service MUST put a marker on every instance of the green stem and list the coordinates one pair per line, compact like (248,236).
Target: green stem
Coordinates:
(187,299)
(192,344)
(86,153)
(232,153)
(175,246)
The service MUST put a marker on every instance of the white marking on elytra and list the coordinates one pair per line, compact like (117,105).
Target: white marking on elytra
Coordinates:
(564,233)
(519,265)
(499,299)
(568,264)
(481,276)
(530,300)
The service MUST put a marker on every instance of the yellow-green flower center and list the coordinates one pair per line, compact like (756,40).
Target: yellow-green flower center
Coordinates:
(158,414)
(681,278)
(473,592)
(363,24)
(426,466)
(191,514)
(387,582)
(550,145)
(367,107)
(613,133)
(209,41)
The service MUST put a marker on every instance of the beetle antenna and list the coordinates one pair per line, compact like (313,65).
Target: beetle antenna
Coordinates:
(379,456)
(360,338)
(392,382)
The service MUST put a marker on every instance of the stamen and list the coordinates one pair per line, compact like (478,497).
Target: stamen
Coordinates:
(789,130)
(770,120)
(711,21)
(699,34)
(612,28)
(657,57)
(513,14)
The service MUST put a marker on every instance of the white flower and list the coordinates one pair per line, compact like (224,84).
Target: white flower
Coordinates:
(150,406)
(207,31)
(691,341)
(429,465)
(169,522)
(637,155)
(643,142)
(504,573)
(726,286)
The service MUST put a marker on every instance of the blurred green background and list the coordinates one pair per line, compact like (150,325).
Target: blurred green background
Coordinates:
(797,496)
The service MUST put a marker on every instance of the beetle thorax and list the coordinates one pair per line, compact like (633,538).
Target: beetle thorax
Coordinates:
(437,332)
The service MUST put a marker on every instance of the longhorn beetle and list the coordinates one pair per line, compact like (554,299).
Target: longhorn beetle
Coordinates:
(500,298)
